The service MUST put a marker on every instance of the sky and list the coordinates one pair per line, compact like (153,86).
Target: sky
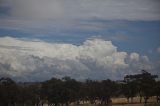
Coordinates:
(96,39)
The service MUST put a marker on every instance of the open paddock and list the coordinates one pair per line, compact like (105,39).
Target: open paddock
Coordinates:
(120,102)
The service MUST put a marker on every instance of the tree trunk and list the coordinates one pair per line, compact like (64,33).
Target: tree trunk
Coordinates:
(78,102)
(145,101)
(83,101)
(67,104)
(95,103)
(158,99)
(131,99)
(105,103)
(140,99)
(128,99)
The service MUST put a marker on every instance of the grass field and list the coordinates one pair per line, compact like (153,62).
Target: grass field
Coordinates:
(122,102)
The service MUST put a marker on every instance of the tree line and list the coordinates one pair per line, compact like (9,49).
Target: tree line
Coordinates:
(62,92)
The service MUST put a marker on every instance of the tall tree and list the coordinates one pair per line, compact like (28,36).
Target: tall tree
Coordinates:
(107,90)
(144,82)
(8,92)
(130,87)
(92,90)
(157,91)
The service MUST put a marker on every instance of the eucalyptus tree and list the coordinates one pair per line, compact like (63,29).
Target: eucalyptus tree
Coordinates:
(107,89)
(72,88)
(130,87)
(92,90)
(143,84)
(8,92)
(157,91)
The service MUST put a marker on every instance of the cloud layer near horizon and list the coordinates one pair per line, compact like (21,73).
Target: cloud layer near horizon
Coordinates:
(32,60)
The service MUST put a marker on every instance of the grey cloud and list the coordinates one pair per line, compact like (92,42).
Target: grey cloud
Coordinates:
(105,9)
(158,49)
(14,47)
(60,15)
(53,17)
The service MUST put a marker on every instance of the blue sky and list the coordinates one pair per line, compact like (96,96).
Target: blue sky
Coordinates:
(131,26)
(132,36)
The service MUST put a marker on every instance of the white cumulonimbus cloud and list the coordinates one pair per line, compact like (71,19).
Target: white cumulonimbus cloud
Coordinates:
(32,60)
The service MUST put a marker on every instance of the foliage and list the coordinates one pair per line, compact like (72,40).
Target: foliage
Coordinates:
(66,90)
